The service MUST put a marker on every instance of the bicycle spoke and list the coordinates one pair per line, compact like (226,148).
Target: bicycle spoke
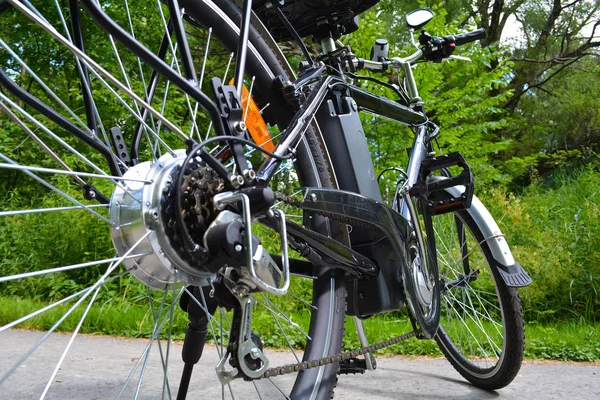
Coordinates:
(279,389)
(170,330)
(98,283)
(174,55)
(78,63)
(94,67)
(49,133)
(145,351)
(65,268)
(268,303)
(69,344)
(276,319)
(52,187)
(466,325)
(70,172)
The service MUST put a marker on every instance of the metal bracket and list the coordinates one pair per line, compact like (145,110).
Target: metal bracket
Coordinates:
(223,199)
(246,346)
(224,375)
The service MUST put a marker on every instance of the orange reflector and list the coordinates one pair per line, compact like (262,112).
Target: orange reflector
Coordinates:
(255,122)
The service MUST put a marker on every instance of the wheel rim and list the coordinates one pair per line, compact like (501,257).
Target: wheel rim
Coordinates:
(472,321)
(170,117)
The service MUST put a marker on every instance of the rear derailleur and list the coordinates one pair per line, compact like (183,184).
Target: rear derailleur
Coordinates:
(245,268)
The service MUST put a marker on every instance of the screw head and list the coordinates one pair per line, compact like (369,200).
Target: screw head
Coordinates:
(249,174)
(238,248)
(236,181)
(239,127)
(313,197)
(254,353)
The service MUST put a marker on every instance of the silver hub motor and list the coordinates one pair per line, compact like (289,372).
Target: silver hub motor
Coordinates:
(135,207)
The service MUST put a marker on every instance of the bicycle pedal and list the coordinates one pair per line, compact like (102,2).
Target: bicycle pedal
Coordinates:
(352,366)
(432,189)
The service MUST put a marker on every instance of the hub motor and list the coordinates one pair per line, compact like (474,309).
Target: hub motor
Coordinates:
(143,211)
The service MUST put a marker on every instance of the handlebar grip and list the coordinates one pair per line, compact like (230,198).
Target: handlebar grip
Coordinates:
(469,37)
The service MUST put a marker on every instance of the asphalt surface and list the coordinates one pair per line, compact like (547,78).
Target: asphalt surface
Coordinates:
(97,368)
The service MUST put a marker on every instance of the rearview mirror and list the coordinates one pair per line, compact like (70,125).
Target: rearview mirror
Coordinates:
(419,18)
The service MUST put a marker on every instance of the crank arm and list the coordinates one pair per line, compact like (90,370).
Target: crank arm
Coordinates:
(341,256)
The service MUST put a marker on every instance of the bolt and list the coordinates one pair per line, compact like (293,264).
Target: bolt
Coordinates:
(249,175)
(160,165)
(239,127)
(92,194)
(254,353)
(313,197)
(354,105)
(148,204)
(238,248)
(236,180)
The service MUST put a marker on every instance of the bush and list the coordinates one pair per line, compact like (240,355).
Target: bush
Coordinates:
(554,233)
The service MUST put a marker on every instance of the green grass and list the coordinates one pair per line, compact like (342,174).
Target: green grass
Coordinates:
(553,228)
(565,341)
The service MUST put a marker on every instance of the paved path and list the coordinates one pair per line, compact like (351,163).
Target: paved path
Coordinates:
(98,366)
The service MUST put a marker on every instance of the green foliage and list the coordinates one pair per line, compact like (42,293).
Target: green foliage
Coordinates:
(554,233)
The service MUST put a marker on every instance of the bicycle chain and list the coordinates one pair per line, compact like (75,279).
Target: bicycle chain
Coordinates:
(287,369)
(319,362)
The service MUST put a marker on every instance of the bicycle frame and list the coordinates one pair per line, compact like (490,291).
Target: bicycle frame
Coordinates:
(412,116)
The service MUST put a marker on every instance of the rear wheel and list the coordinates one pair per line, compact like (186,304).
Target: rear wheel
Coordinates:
(82,269)
(481,323)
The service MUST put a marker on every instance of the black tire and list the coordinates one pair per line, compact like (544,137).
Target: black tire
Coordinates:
(313,169)
(486,309)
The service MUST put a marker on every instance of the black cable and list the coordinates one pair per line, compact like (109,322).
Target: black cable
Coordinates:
(247,142)
(392,169)
(295,34)
(382,83)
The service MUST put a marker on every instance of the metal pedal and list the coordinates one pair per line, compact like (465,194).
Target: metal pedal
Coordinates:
(432,188)
(352,366)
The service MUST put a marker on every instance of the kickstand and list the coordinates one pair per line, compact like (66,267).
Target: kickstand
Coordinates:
(362,337)
(195,334)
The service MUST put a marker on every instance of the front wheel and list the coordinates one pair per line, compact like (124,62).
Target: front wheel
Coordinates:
(481,328)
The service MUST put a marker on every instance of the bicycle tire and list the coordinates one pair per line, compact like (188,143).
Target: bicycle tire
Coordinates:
(481,330)
(313,169)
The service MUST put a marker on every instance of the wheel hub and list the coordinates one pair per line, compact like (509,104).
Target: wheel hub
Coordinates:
(139,211)
(424,292)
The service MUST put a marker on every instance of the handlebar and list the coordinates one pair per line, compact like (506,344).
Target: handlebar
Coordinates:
(434,49)
(465,38)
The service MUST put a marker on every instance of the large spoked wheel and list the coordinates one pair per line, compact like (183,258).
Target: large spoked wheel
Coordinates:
(481,324)
(80,275)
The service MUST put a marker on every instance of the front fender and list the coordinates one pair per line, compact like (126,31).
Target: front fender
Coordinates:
(512,273)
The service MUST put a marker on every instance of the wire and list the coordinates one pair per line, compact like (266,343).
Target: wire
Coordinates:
(382,83)
(224,138)
(295,34)
(392,169)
